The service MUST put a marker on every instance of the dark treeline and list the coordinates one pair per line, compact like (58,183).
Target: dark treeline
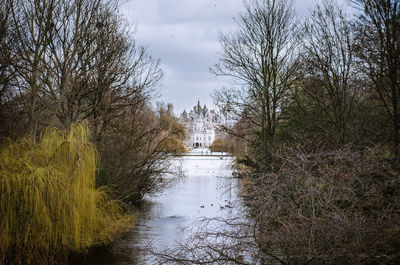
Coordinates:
(316,139)
(68,61)
(331,78)
(65,64)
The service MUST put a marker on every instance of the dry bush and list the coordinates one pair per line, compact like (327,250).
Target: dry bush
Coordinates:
(339,207)
(211,241)
(49,206)
(133,164)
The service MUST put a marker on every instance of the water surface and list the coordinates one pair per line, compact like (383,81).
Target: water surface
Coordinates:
(206,189)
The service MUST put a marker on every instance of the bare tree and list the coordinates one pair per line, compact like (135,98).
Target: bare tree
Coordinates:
(5,49)
(32,22)
(98,69)
(78,60)
(329,76)
(7,73)
(133,164)
(259,57)
(379,51)
(71,57)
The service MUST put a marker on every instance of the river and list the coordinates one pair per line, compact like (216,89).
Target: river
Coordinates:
(206,189)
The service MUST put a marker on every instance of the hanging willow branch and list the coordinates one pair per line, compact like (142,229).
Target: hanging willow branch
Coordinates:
(49,206)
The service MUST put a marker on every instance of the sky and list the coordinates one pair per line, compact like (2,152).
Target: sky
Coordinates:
(184,35)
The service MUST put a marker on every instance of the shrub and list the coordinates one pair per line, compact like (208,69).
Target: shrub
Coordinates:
(218,145)
(49,206)
(337,207)
(133,161)
(172,145)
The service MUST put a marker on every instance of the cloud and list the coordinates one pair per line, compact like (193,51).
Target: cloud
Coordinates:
(184,34)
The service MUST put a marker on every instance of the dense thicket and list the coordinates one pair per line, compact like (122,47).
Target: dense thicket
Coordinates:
(73,60)
(332,77)
(136,152)
(49,205)
(68,61)
(378,49)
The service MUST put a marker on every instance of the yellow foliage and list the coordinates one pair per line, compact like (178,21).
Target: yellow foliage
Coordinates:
(173,145)
(218,146)
(48,202)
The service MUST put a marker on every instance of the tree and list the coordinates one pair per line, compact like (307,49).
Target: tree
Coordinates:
(259,57)
(32,24)
(49,205)
(173,145)
(97,66)
(77,60)
(133,163)
(8,110)
(328,74)
(379,53)
(218,145)
(5,46)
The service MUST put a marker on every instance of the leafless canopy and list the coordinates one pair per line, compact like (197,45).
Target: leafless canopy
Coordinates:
(379,51)
(259,57)
(328,77)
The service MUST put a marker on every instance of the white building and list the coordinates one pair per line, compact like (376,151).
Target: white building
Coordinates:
(200,124)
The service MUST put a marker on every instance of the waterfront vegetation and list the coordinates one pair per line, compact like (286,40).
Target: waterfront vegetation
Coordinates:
(82,138)
(317,138)
(49,205)
(219,146)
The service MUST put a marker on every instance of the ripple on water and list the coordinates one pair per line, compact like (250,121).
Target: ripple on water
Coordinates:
(206,183)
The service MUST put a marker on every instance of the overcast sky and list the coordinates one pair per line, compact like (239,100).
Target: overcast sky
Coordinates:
(184,35)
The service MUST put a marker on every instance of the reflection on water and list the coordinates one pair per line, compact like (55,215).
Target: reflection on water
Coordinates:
(206,190)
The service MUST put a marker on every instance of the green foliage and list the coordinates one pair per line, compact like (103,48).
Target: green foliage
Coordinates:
(49,206)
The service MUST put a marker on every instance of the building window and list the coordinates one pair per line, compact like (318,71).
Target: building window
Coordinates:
(209,138)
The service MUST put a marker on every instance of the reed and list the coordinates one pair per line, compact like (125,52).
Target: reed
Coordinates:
(49,206)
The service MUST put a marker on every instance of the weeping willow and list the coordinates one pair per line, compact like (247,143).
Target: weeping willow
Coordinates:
(49,205)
